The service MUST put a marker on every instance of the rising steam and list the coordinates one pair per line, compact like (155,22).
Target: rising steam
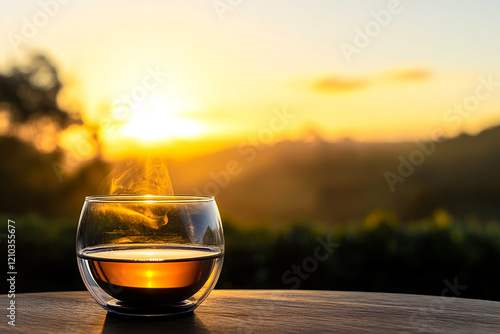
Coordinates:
(141,178)
(149,177)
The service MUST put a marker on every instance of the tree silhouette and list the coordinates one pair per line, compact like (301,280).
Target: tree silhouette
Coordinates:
(31,91)
(30,183)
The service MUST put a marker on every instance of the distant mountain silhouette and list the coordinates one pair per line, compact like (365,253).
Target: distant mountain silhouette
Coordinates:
(339,182)
(289,181)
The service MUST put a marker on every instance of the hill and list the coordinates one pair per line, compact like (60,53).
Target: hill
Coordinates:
(343,181)
(289,181)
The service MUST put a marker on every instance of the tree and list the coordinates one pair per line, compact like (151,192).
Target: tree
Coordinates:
(31,91)
(30,183)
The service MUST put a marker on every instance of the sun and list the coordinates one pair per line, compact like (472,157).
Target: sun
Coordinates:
(158,120)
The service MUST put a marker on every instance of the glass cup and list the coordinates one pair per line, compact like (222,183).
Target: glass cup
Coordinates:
(149,255)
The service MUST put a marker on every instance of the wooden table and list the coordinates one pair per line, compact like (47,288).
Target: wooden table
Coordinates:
(263,311)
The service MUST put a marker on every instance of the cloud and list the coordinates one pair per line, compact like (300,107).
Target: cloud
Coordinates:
(410,74)
(337,84)
(343,84)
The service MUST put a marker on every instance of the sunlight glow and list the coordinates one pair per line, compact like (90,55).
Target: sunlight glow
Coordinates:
(159,119)
(80,141)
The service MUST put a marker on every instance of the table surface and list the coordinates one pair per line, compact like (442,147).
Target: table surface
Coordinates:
(263,311)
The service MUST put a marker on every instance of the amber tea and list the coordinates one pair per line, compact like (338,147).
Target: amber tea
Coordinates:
(151,274)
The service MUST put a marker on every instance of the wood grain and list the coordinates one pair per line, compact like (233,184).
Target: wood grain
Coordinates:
(264,311)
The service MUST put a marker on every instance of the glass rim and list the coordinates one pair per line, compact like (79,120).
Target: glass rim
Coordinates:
(150,198)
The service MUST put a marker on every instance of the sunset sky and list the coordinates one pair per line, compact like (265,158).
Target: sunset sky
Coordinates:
(213,74)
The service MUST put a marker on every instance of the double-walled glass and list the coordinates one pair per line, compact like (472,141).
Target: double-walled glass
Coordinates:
(150,255)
